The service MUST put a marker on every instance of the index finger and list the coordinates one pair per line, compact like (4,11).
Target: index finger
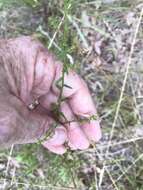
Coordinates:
(80,100)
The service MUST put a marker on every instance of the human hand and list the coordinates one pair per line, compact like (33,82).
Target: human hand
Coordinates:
(28,72)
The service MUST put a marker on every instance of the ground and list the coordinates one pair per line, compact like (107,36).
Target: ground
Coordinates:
(105,43)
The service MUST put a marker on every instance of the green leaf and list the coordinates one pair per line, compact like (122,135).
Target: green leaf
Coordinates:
(65,85)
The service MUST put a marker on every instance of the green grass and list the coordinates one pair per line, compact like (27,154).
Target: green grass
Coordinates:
(71,169)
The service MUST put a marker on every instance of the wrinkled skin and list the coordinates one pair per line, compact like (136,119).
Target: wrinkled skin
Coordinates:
(28,72)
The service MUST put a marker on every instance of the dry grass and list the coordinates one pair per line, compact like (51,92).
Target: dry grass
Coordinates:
(106,46)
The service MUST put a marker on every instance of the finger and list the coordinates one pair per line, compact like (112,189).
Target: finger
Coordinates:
(80,100)
(76,137)
(56,149)
(92,130)
(56,143)
(77,92)
(59,138)
(83,106)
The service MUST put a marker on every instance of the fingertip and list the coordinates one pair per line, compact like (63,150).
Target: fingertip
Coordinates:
(55,149)
(55,144)
(77,139)
(78,145)
(92,130)
(59,137)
